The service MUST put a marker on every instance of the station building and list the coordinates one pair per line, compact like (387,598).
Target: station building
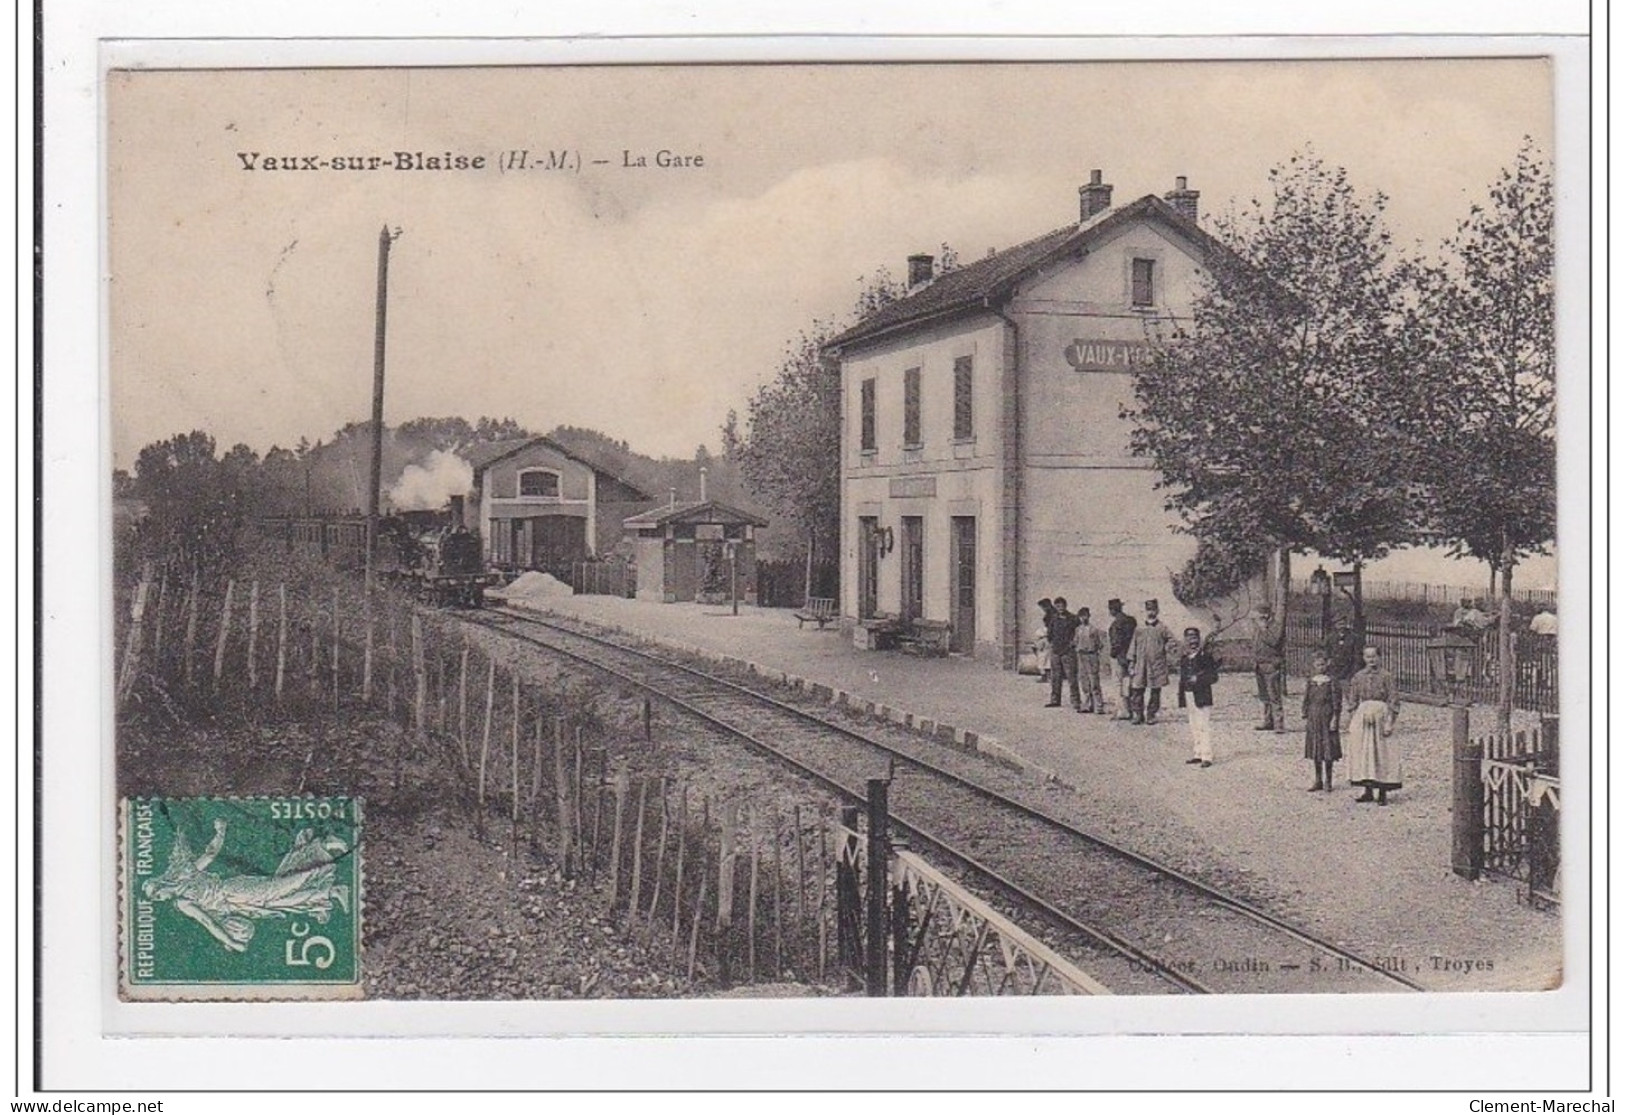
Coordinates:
(539,506)
(985,464)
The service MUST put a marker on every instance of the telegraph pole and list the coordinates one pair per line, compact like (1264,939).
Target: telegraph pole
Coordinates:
(384,241)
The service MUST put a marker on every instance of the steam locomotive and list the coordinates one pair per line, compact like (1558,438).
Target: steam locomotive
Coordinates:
(426,552)
(430,553)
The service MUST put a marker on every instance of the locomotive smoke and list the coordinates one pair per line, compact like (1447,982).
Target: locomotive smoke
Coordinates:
(428,486)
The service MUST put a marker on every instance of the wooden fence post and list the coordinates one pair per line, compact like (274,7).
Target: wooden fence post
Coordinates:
(637,853)
(801,895)
(823,895)
(158,619)
(660,852)
(699,915)
(1467,799)
(513,788)
(575,810)
(132,640)
(253,634)
(750,909)
(778,895)
(536,782)
(189,649)
(621,787)
(485,741)
(367,650)
(682,849)
(394,654)
(336,649)
(561,792)
(420,680)
(281,637)
(462,703)
(725,888)
(225,631)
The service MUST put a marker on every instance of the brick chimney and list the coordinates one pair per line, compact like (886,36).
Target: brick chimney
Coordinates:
(1183,200)
(920,270)
(1094,198)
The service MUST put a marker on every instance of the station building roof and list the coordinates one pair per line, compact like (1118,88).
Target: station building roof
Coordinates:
(991,279)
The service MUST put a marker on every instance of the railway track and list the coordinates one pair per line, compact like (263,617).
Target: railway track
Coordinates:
(1163,927)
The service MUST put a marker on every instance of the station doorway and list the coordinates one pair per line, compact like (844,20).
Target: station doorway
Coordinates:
(962,598)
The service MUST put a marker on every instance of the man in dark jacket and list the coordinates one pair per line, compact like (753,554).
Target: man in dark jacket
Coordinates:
(1343,653)
(1062,627)
(1119,638)
(1198,673)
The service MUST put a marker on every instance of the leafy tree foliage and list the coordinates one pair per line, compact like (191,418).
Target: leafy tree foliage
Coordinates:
(1279,415)
(196,504)
(1485,320)
(788,446)
(1483,326)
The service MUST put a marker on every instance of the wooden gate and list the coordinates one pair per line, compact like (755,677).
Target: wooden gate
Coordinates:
(1521,803)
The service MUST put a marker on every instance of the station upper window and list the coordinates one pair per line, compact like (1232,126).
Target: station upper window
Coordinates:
(539,482)
(869,441)
(1144,291)
(913,437)
(964,412)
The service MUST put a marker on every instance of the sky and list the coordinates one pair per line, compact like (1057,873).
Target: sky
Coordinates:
(646,301)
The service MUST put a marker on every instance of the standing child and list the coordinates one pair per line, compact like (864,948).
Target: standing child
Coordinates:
(1320,708)
(1198,671)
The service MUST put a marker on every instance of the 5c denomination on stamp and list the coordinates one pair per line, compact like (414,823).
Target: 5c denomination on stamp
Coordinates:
(240,898)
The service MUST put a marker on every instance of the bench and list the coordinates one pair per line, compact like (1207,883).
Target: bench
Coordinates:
(926,637)
(877,632)
(819,610)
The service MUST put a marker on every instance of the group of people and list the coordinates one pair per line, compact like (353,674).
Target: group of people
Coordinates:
(1144,657)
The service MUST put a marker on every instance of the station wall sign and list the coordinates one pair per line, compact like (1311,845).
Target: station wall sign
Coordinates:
(1088,355)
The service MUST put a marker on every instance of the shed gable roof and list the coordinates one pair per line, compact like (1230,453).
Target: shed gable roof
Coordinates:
(485,454)
(707,511)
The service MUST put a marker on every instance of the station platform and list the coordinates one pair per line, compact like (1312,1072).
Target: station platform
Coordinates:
(1376,880)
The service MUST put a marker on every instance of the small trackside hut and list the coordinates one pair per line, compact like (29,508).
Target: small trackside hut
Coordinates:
(703,552)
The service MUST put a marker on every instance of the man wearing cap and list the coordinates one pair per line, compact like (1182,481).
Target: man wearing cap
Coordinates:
(1269,659)
(1119,637)
(1088,642)
(1062,626)
(1149,657)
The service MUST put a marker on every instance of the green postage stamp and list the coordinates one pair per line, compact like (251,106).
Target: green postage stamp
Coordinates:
(240,898)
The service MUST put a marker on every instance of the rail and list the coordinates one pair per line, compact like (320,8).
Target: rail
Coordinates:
(1348,961)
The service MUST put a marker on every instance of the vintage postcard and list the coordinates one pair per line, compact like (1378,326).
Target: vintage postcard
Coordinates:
(1053,528)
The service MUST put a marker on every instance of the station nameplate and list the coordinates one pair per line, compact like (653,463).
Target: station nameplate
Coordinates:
(913,487)
(1109,356)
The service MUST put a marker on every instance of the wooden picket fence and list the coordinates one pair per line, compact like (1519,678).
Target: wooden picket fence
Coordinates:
(736,889)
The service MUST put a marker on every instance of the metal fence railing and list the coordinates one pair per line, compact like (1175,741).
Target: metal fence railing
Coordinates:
(1405,654)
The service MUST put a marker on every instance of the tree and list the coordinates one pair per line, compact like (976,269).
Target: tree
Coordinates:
(1278,415)
(1483,325)
(195,503)
(789,449)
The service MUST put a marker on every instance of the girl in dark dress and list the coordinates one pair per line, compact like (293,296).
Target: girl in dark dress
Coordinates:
(1320,743)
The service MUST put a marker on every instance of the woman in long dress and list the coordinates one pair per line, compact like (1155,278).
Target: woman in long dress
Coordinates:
(1374,758)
